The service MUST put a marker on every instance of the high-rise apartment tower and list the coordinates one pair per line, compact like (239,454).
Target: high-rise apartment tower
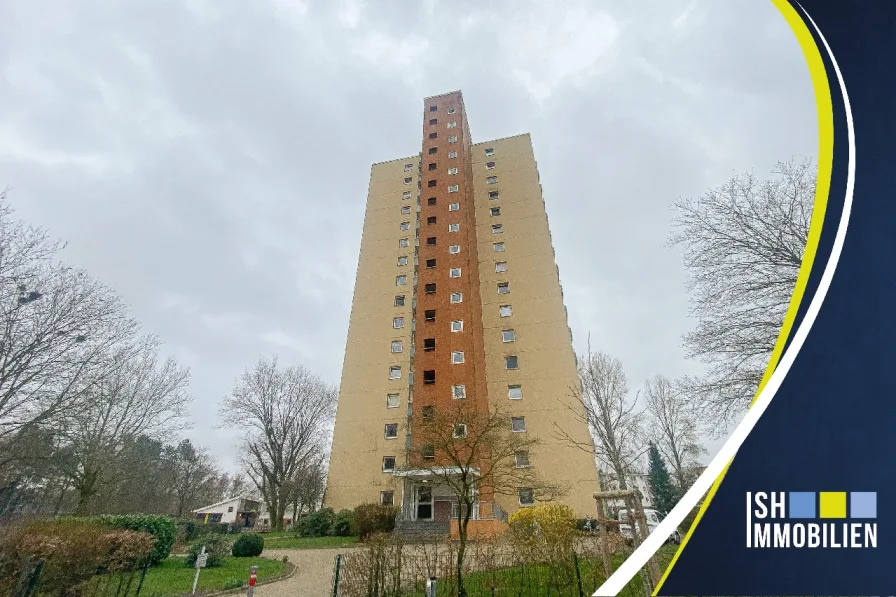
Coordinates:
(457,297)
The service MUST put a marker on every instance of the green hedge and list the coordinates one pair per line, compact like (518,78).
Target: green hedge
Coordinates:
(162,528)
(248,545)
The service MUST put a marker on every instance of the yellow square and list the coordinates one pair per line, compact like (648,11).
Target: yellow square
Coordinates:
(832,504)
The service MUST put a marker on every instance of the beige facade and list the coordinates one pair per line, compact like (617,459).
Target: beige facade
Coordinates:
(541,339)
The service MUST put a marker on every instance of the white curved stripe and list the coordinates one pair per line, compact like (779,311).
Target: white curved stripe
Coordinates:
(655,540)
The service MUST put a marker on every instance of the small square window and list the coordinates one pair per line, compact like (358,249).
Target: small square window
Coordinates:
(460,431)
(497,229)
(401,280)
(511,363)
(491,180)
(527,497)
(431,220)
(433,108)
(429,451)
(405,226)
(387,498)
(430,263)
(454,272)
(432,167)
(431,241)
(453,227)
(500,267)
(489,165)
(518,424)
(403,260)
(406,195)
(452,124)
(398,322)
(458,392)
(394,372)
(403,243)
(503,287)
(408,180)
(515,392)
(429,315)
(457,325)
(490,151)
(430,288)
(454,207)
(431,201)
(431,183)
(405,210)
(457,297)
(521,459)
(392,400)
(452,139)
(452,170)
(399,300)
(454,249)
(391,430)
(388,464)
(492,195)
(451,110)
(505,310)
(495,211)
(433,121)
(407,167)
(230,509)
(452,188)
(457,357)
(429,376)
(397,346)
(429,344)
(499,247)
(452,155)
(433,150)
(433,135)
(508,336)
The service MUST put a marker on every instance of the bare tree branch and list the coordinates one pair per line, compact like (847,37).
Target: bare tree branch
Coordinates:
(673,421)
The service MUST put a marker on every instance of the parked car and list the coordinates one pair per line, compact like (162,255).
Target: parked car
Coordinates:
(654,518)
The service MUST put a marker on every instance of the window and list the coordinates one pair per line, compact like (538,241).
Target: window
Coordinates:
(497,228)
(431,240)
(495,211)
(492,195)
(499,247)
(518,424)
(230,508)
(397,346)
(491,179)
(521,459)
(433,121)
(454,249)
(451,110)
(458,392)
(408,180)
(429,315)
(452,170)
(405,225)
(433,135)
(433,150)
(388,464)
(399,300)
(430,263)
(457,357)
(431,183)
(452,139)
(405,210)
(403,260)
(392,400)
(454,207)
(401,280)
(387,498)
(505,310)
(429,376)
(457,297)
(460,431)
(391,430)
(515,392)
(431,220)
(500,267)
(431,201)
(429,413)
(452,155)
(394,372)
(406,195)
(503,287)
(429,451)
(508,336)
(454,272)
(457,325)
(403,243)
(490,151)
(511,362)
(489,165)
(452,188)
(527,497)
(432,167)
(398,322)
(430,288)
(453,227)
(429,344)
(452,124)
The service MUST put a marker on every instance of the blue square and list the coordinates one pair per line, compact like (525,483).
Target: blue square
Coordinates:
(801,504)
(863,504)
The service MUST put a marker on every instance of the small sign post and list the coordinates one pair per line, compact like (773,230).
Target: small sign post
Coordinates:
(201,559)
(253,571)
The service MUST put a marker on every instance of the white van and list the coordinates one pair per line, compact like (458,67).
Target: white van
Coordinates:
(654,517)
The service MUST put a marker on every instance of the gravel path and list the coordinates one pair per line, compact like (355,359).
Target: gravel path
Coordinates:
(314,573)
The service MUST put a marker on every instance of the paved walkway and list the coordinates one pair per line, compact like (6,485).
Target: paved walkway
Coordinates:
(314,573)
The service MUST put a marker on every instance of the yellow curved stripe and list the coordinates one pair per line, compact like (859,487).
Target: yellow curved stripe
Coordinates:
(825,110)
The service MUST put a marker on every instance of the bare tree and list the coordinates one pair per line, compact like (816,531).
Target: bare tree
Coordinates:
(306,488)
(675,427)
(285,412)
(743,246)
(135,394)
(613,416)
(475,453)
(194,475)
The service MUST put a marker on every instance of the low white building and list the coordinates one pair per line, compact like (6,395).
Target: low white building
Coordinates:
(239,510)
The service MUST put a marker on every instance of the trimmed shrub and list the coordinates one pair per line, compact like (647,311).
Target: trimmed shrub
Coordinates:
(248,545)
(216,546)
(547,530)
(162,528)
(188,529)
(343,523)
(374,518)
(316,524)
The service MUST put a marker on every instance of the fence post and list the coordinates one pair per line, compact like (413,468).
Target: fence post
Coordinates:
(337,567)
(142,577)
(575,559)
(431,587)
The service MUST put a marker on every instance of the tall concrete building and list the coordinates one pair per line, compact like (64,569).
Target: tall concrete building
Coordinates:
(457,297)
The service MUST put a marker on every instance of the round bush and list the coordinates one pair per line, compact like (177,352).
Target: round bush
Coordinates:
(216,546)
(162,528)
(248,545)
(343,523)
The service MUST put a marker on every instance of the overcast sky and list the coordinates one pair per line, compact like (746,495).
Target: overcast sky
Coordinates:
(210,158)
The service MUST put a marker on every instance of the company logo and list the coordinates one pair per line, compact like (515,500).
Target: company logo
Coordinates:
(806,519)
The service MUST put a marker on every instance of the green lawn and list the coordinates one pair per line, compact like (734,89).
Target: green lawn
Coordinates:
(287,540)
(172,578)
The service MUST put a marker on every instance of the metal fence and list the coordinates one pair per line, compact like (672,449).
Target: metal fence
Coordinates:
(128,583)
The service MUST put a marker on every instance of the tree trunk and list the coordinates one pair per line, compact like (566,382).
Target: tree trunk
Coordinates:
(463,521)
(86,488)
